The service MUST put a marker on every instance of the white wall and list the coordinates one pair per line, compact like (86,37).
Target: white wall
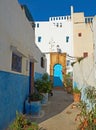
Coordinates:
(83,43)
(51,36)
(83,74)
(44,31)
(94,37)
(16,30)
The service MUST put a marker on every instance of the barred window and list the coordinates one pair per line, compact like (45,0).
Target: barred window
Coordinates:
(79,34)
(16,63)
(39,39)
(68,62)
(67,39)
(42,62)
(85,54)
(37,25)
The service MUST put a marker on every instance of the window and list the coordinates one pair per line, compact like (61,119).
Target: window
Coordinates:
(79,34)
(39,39)
(85,54)
(16,63)
(67,38)
(60,24)
(68,62)
(33,25)
(37,25)
(42,62)
(57,25)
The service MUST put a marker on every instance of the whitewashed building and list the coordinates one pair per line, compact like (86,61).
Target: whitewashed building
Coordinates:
(20,60)
(71,35)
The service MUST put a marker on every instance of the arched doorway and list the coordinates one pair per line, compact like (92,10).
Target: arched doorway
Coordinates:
(57,68)
(58,78)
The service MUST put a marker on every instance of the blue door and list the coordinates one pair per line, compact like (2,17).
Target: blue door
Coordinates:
(58,76)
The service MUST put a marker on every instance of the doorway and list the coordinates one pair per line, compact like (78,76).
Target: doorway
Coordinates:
(57,68)
(58,78)
(31,77)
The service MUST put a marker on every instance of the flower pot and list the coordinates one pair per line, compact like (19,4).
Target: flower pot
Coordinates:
(69,89)
(45,98)
(33,107)
(94,120)
(77,97)
(85,123)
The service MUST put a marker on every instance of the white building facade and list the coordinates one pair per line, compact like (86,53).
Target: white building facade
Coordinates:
(55,36)
(20,60)
(71,35)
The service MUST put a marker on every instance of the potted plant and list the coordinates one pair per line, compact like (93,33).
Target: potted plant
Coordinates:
(22,123)
(87,115)
(43,86)
(76,94)
(94,114)
(83,116)
(68,83)
(33,104)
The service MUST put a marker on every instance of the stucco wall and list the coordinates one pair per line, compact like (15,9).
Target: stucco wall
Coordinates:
(16,34)
(94,37)
(53,35)
(83,43)
(14,90)
(16,30)
(84,73)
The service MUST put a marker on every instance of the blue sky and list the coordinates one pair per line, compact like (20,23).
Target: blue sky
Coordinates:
(43,9)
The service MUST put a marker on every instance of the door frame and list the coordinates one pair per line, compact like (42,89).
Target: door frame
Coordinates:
(31,77)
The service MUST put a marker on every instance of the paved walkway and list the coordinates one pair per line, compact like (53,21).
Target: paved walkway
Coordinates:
(63,121)
(59,113)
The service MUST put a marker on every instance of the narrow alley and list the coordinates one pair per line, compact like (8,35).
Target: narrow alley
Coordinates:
(58,114)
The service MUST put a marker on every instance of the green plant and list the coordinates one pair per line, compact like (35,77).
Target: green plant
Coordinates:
(72,64)
(86,117)
(76,90)
(94,111)
(35,97)
(43,85)
(21,123)
(79,59)
(68,80)
(90,93)
(87,113)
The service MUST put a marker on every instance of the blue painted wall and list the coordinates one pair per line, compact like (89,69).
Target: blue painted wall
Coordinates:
(37,75)
(14,89)
(58,76)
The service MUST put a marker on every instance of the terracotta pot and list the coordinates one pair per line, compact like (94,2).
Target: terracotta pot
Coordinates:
(94,120)
(85,123)
(77,97)
(69,89)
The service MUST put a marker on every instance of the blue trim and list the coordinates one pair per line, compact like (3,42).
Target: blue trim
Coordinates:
(14,89)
